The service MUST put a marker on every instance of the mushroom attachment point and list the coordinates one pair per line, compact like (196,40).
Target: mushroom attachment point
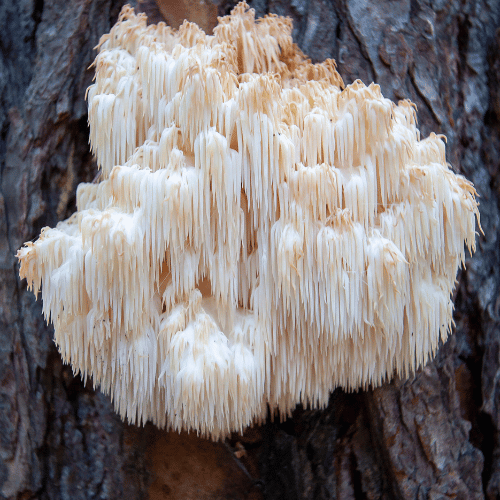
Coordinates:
(260,234)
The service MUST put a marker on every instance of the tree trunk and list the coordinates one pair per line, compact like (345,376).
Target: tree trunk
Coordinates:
(434,436)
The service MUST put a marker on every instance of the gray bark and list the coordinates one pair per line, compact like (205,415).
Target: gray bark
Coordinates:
(434,436)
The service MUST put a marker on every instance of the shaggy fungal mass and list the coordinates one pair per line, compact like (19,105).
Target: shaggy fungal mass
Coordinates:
(260,234)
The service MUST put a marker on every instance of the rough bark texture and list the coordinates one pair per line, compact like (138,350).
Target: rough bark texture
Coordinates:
(435,436)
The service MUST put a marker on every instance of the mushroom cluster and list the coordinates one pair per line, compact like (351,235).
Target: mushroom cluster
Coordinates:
(259,236)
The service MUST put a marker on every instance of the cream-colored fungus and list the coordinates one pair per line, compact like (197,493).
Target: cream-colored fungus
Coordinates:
(259,236)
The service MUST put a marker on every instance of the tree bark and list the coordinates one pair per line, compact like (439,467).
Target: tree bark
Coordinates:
(434,436)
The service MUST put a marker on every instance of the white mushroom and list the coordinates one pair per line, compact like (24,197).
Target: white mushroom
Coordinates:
(259,237)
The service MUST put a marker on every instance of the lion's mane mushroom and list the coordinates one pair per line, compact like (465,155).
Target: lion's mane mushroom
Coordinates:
(259,235)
